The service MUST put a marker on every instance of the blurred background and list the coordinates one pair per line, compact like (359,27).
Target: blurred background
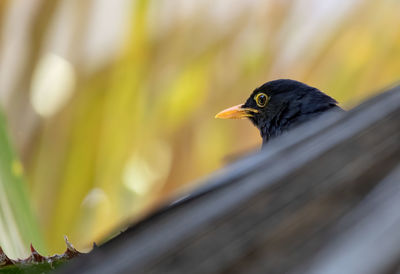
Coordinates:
(108,106)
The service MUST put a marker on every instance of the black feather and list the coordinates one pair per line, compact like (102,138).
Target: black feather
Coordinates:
(290,104)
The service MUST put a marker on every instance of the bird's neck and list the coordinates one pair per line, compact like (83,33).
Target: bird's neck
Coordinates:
(269,130)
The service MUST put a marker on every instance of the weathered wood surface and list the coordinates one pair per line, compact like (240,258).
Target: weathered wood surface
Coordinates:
(372,244)
(311,202)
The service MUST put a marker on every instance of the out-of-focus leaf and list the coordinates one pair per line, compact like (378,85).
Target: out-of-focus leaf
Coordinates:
(31,268)
(18,225)
(36,262)
(186,94)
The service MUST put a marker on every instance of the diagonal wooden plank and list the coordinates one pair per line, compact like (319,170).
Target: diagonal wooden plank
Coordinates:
(372,244)
(270,212)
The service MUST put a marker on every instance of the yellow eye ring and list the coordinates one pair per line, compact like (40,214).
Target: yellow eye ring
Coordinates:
(261,99)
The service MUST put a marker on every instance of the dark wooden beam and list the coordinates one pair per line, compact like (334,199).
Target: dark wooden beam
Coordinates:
(272,212)
(368,238)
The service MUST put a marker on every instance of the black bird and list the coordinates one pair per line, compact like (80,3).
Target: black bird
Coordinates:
(278,106)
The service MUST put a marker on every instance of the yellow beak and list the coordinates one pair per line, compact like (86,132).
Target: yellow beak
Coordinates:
(236,112)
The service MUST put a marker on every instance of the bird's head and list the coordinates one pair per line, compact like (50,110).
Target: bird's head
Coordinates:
(278,105)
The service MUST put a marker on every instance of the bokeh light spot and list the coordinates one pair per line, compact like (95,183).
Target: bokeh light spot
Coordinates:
(52,84)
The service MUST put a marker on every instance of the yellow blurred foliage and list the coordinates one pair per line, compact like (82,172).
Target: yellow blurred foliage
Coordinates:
(148,77)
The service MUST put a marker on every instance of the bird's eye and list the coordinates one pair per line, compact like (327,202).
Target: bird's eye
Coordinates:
(261,99)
